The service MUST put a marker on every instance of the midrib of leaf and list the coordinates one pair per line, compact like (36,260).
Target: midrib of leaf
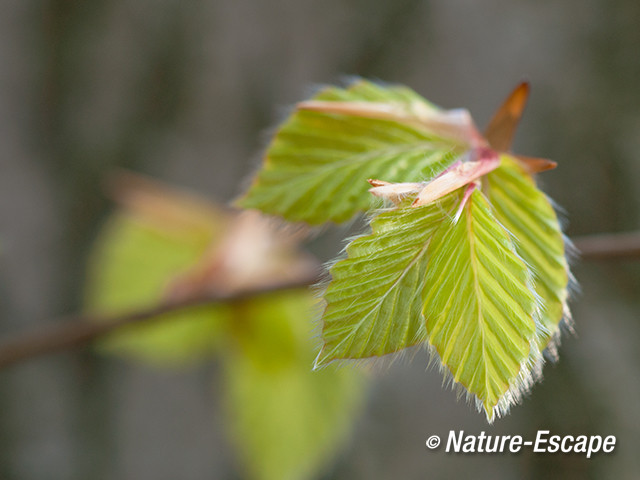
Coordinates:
(364,157)
(478,296)
(384,155)
(463,272)
(384,160)
(479,317)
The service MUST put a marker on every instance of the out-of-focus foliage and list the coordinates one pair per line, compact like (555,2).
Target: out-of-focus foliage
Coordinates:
(286,421)
(132,267)
(139,253)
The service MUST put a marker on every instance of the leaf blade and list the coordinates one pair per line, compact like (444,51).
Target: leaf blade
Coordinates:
(373,306)
(528,215)
(316,168)
(480,318)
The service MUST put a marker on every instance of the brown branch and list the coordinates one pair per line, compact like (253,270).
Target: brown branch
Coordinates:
(81,329)
(614,246)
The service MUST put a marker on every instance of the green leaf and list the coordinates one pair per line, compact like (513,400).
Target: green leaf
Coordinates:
(286,421)
(460,284)
(373,301)
(479,305)
(316,167)
(528,215)
(131,266)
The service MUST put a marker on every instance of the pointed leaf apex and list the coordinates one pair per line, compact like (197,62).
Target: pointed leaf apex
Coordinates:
(377,183)
(536,165)
(490,413)
(518,99)
(502,127)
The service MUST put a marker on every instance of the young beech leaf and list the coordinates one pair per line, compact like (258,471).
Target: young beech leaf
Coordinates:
(423,275)
(528,215)
(479,306)
(316,167)
(373,303)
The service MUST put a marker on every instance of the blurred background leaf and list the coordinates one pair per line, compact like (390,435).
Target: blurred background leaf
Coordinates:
(141,250)
(286,420)
(132,267)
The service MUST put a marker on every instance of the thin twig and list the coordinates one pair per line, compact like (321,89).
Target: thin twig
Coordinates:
(614,246)
(81,329)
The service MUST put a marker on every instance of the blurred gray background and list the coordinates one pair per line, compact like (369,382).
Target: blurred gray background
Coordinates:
(184,91)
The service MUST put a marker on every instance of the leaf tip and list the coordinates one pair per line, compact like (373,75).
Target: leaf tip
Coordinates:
(519,97)
(502,125)
(321,361)
(536,165)
(490,413)
(377,183)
